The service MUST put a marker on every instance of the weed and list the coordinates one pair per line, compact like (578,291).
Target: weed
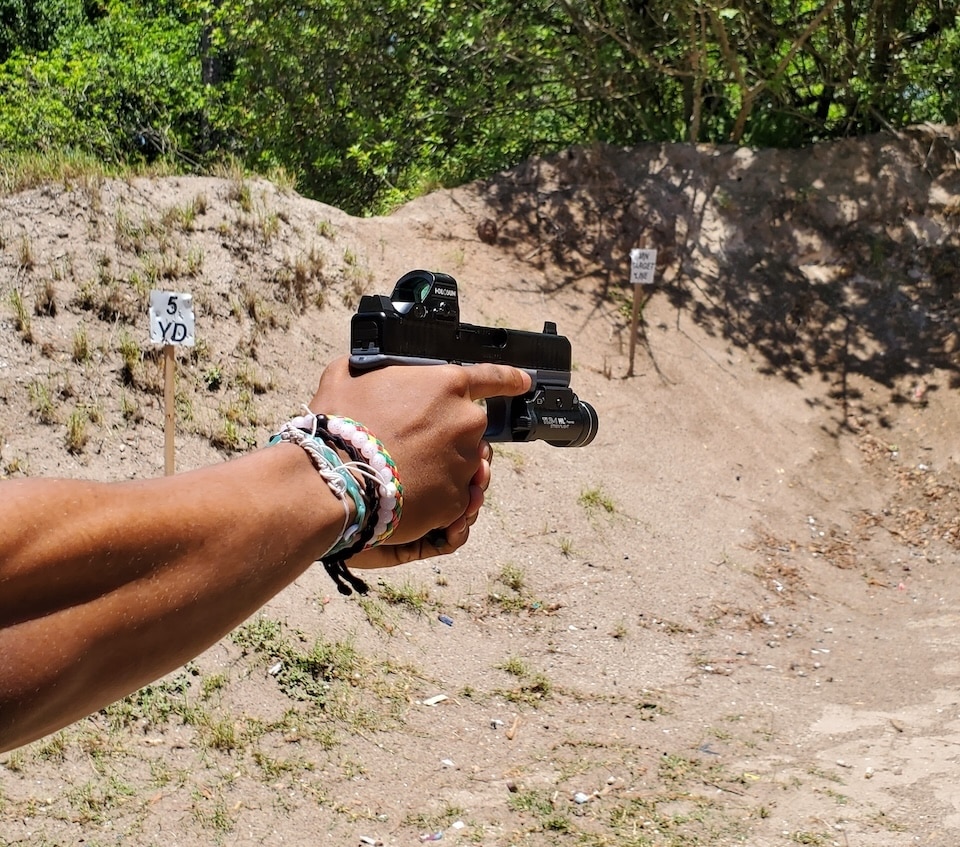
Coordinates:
(303,674)
(376,614)
(42,400)
(211,812)
(25,255)
(249,378)
(566,547)
(15,466)
(45,304)
(542,806)
(436,821)
(514,666)
(325,229)
(515,457)
(130,408)
(216,733)
(284,179)
(212,684)
(52,748)
(512,577)
(244,197)
(21,317)
(153,704)
(131,355)
(294,280)
(213,377)
(269,226)
(92,801)
(593,499)
(414,597)
(227,437)
(194,262)
(533,687)
(81,346)
(77,435)
(262,315)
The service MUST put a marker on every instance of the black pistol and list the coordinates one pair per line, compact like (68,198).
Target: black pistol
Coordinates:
(419,324)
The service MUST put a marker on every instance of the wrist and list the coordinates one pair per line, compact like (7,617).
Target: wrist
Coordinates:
(367,481)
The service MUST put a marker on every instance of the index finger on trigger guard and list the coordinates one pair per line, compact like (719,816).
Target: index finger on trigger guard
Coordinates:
(491,380)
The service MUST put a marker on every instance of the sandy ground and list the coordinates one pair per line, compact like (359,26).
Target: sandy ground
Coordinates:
(729,620)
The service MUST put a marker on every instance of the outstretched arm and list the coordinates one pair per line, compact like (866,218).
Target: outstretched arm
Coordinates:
(107,586)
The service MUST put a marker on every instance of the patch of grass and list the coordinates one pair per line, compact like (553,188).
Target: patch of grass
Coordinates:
(516,459)
(25,256)
(436,821)
(93,801)
(376,614)
(512,577)
(21,171)
(514,599)
(45,304)
(304,673)
(212,377)
(228,437)
(541,805)
(81,346)
(594,499)
(210,811)
(77,435)
(130,408)
(131,356)
(16,465)
(249,378)
(533,687)
(814,838)
(155,704)
(238,417)
(295,281)
(21,317)
(407,594)
(41,398)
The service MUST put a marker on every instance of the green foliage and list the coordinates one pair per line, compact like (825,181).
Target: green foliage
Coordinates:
(121,86)
(374,101)
(402,96)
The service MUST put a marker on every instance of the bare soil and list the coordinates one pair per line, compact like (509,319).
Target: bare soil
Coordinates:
(732,619)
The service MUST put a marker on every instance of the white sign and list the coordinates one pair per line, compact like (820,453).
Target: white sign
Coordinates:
(171,318)
(643,265)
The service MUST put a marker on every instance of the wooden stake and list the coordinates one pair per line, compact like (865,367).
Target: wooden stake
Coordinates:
(169,407)
(634,325)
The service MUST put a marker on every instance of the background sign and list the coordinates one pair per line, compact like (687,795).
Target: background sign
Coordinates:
(171,318)
(643,265)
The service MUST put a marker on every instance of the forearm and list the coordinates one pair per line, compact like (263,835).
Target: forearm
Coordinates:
(84,620)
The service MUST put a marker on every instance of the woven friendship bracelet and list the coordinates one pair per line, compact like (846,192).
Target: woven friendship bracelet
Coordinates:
(329,466)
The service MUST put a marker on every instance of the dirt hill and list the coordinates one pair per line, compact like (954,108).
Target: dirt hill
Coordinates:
(729,620)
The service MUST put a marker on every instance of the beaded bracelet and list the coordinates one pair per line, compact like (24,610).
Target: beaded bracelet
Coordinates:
(371,465)
(378,460)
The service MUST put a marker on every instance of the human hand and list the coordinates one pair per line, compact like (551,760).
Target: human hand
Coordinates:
(427,419)
(440,542)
